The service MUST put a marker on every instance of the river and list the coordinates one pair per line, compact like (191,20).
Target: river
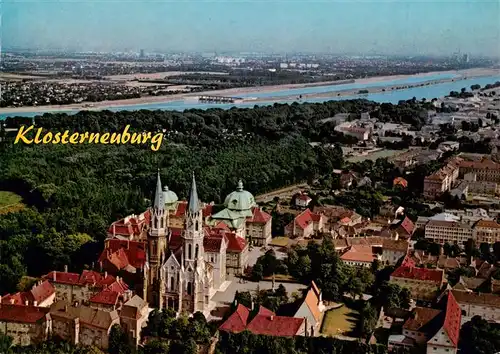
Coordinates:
(393,96)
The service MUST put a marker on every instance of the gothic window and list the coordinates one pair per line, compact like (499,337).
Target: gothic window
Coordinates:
(161,223)
(196,224)
(196,251)
(171,283)
(155,222)
(189,288)
(154,247)
(189,251)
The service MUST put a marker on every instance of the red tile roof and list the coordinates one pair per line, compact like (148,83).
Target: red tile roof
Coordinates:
(259,216)
(22,314)
(88,277)
(42,292)
(122,253)
(407,226)
(212,243)
(304,197)
(131,226)
(182,207)
(62,277)
(15,299)
(452,320)
(267,323)
(423,274)
(400,181)
(306,218)
(421,319)
(235,243)
(106,297)
(237,322)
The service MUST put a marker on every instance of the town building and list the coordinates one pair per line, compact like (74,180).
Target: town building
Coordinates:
(430,330)
(265,322)
(393,250)
(478,304)
(451,232)
(312,309)
(360,256)
(302,200)
(305,225)
(101,290)
(133,318)
(82,324)
(423,283)
(442,180)
(182,253)
(26,325)
(42,294)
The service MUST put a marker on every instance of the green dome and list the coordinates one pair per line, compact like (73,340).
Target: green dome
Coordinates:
(239,199)
(169,196)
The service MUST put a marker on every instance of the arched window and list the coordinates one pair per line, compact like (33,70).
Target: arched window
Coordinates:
(155,222)
(161,223)
(196,251)
(189,288)
(172,283)
(196,224)
(189,251)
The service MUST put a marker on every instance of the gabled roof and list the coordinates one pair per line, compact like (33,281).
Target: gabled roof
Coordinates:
(259,216)
(478,299)
(105,297)
(305,218)
(452,319)
(423,320)
(237,322)
(212,243)
(235,243)
(122,253)
(395,245)
(39,293)
(423,274)
(312,301)
(133,307)
(267,323)
(22,314)
(407,225)
(88,316)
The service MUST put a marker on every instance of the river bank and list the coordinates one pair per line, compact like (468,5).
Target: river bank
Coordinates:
(337,90)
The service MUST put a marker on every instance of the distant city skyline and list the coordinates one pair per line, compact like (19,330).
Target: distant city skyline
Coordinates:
(403,27)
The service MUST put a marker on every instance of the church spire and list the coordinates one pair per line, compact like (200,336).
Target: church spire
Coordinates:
(194,204)
(159,202)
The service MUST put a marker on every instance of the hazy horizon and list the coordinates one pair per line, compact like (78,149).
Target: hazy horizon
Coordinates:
(278,26)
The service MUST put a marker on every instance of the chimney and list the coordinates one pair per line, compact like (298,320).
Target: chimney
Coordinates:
(0,299)
(235,302)
(35,303)
(26,302)
(272,317)
(66,268)
(105,274)
(128,244)
(114,229)
(252,306)
(12,301)
(54,276)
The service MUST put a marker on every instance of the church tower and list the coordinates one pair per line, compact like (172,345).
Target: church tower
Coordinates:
(157,239)
(193,254)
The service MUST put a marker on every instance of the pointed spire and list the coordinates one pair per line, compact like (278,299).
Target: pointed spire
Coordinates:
(159,203)
(194,204)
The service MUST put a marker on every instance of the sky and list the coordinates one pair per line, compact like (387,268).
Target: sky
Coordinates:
(418,27)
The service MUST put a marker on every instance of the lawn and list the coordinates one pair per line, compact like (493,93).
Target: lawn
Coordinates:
(10,202)
(339,321)
(279,241)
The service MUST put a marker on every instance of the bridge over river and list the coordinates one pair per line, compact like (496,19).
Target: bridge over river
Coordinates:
(219,99)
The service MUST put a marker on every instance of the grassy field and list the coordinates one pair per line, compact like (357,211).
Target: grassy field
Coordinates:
(280,241)
(10,202)
(339,321)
